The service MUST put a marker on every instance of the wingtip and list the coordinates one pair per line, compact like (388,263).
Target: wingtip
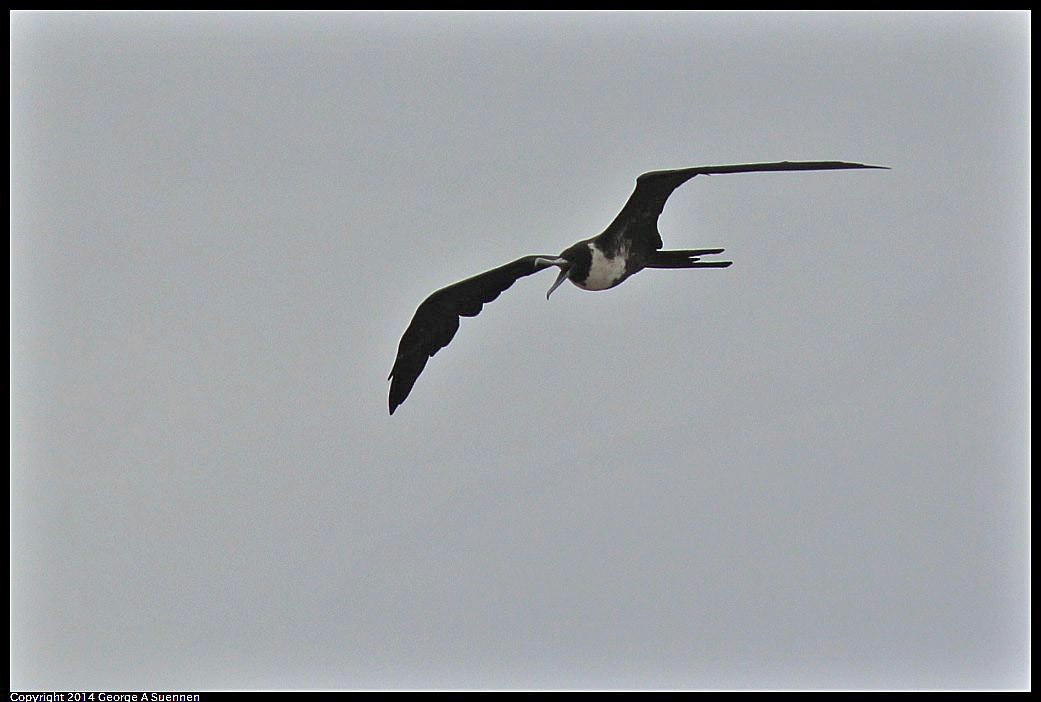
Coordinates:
(390,399)
(850,164)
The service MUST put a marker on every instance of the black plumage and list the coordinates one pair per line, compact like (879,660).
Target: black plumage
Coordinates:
(437,320)
(629,244)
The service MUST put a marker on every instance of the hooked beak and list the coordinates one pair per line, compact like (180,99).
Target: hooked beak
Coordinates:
(564,270)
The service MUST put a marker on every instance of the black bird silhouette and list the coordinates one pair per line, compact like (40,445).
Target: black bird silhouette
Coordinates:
(629,244)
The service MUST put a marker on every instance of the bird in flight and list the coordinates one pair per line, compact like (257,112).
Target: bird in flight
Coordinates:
(629,244)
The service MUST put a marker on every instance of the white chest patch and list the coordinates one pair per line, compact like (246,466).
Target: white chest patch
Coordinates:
(604,272)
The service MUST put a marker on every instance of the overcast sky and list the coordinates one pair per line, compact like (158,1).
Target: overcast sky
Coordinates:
(808,470)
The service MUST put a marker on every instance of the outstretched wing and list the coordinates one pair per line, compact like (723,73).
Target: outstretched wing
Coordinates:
(653,188)
(437,319)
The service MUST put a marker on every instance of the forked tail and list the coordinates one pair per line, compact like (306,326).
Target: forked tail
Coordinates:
(686,259)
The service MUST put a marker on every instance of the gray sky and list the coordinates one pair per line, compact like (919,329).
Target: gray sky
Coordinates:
(809,470)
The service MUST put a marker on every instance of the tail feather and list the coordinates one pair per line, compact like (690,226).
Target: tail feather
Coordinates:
(686,259)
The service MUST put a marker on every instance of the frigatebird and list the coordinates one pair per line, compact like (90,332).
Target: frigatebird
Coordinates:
(629,244)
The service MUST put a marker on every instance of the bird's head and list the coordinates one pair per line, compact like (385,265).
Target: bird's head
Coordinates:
(569,262)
